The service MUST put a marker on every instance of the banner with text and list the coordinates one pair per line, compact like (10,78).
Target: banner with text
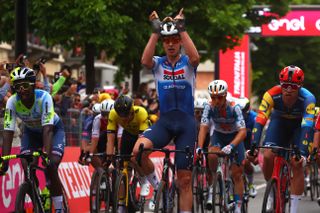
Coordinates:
(234,68)
(295,23)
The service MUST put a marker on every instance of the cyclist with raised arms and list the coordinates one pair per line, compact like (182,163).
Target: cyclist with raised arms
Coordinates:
(43,129)
(290,108)
(229,133)
(174,76)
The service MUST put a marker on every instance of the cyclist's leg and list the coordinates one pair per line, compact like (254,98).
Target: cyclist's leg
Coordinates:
(55,185)
(275,136)
(236,172)
(101,148)
(297,180)
(248,168)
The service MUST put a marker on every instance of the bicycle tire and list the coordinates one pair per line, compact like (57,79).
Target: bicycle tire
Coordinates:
(229,186)
(93,190)
(173,198)
(217,194)
(285,192)
(25,190)
(136,201)
(271,191)
(160,204)
(117,199)
(245,199)
(314,181)
(104,191)
(198,189)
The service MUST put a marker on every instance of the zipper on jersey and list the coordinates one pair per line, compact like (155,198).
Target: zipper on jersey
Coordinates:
(174,86)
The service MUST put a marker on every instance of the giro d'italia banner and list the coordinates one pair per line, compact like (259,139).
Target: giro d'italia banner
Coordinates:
(75,178)
(234,68)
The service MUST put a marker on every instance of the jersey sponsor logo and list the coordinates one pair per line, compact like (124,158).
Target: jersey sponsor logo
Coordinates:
(310,108)
(176,75)
(263,106)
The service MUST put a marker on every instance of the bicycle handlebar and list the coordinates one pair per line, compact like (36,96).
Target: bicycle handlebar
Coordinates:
(295,150)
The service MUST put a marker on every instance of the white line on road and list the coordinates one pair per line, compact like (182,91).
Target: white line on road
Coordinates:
(261,186)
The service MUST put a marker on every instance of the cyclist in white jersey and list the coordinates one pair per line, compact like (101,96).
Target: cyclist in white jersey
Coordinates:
(175,78)
(43,129)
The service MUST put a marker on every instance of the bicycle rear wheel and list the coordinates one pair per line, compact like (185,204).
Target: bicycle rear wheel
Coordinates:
(25,200)
(198,192)
(120,192)
(314,182)
(160,200)
(217,195)
(270,197)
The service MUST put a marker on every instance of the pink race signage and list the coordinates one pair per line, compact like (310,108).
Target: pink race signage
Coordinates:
(295,23)
(234,68)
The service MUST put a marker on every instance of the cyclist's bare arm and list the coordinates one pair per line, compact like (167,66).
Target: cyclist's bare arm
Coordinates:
(190,49)
(47,136)
(7,142)
(202,134)
(240,136)
(149,50)
(110,146)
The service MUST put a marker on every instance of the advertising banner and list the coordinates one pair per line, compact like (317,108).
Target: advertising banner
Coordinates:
(295,23)
(234,68)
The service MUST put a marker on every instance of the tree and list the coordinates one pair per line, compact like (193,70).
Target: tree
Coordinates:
(122,28)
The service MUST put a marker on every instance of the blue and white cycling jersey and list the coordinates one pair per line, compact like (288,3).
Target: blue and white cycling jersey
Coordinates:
(175,85)
(229,120)
(41,113)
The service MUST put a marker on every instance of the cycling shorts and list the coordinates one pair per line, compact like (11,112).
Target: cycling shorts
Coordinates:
(283,132)
(102,143)
(127,142)
(33,141)
(221,140)
(176,125)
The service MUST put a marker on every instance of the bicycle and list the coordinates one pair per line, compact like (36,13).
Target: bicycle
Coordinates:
(28,196)
(277,195)
(199,182)
(223,186)
(125,189)
(166,199)
(314,176)
(101,186)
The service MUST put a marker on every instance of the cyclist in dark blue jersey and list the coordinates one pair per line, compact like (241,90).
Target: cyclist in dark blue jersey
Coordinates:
(291,110)
(174,76)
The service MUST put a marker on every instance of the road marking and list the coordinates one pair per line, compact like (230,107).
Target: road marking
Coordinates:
(261,186)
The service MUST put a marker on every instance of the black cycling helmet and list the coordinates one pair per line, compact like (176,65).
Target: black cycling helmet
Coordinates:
(123,105)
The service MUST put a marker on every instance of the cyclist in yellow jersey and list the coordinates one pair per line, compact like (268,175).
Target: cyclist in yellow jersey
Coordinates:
(134,120)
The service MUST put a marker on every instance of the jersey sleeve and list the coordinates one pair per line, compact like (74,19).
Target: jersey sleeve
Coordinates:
(205,118)
(144,121)
(47,117)
(308,114)
(265,109)
(240,123)
(112,121)
(96,127)
(10,115)
(57,85)
(156,60)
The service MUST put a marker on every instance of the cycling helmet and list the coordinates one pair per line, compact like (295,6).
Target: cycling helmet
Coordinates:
(292,74)
(218,87)
(96,108)
(107,105)
(200,102)
(168,27)
(23,73)
(123,105)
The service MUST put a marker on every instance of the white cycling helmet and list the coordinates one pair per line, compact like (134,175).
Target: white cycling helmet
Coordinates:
(23,73)
(244,103)
(168,29)
(96,108)
(107,105)
(200,102)
(218,87)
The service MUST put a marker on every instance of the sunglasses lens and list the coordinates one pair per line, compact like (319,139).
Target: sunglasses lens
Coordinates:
(290,86)
(24,86)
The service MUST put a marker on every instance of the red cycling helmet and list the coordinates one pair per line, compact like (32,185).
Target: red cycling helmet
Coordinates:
(292,74)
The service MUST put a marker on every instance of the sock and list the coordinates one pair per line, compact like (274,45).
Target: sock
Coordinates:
(143,179)
(250,178)
(153,179)
(57,202)
(185,211)
(295,203)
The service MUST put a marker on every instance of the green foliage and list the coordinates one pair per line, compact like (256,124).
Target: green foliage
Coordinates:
(276,53)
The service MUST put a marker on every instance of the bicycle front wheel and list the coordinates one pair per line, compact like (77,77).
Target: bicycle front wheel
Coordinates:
(25,200)
(270,197)
(198,192)
(120,195)
(314,182)
(217,195)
